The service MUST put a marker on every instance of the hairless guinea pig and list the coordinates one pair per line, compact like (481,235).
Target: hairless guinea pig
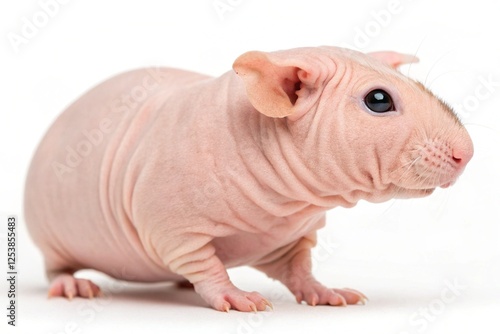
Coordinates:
(168,175)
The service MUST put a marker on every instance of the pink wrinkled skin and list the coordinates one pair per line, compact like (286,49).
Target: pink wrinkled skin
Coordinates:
(168,175)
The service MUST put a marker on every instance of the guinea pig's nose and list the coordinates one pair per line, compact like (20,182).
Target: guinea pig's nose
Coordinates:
(462,154)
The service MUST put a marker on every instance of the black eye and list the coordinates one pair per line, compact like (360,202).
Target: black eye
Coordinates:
(379,101)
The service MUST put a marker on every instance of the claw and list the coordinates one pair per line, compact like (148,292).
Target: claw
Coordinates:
(363,300)
(91,293)
(226,307)
(362,295)
(270,305)
(253,308)
(50,295)
(344,302)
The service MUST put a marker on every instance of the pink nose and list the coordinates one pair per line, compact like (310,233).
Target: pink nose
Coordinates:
(462,154)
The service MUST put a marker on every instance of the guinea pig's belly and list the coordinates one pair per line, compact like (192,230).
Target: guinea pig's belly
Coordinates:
(132,268)
(249,249)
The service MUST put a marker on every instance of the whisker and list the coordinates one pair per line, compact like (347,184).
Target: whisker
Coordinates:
(439,76)
(424,181)
(393,202)
(434,65)
(410,163)
(483,126)
(405,175)
(410,166)
(394,198)
(416,52)
(444,203)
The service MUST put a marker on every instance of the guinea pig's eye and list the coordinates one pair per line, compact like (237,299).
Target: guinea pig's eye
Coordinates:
(379,101)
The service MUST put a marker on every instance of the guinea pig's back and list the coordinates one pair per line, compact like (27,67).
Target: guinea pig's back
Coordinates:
(76,179)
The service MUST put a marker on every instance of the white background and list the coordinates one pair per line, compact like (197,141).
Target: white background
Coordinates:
(402,254)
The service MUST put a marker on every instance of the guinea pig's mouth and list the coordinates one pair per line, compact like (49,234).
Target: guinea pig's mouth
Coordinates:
(442,181)
(425,180)
(402,192)
(447,184)
(430,188)
(421,190)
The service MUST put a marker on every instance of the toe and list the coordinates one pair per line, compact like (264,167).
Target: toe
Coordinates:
(70,287)
(241,301)
(260,302)
(65,285)
(299,297)
(336,299)
(312,298)
(351,296)
(87,289)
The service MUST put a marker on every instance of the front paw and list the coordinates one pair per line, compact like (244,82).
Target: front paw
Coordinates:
(232,298)
(314,293)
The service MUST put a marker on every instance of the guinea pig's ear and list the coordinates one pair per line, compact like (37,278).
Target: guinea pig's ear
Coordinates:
(279,84)
(394,59)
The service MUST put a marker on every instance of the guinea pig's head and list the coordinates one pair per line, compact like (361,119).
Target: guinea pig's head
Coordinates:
(354,116)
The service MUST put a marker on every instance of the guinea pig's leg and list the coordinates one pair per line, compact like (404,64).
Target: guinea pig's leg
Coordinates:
(64,284)
(294,270)
(207,273)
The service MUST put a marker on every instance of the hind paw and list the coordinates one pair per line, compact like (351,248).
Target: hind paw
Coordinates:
(66,285)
